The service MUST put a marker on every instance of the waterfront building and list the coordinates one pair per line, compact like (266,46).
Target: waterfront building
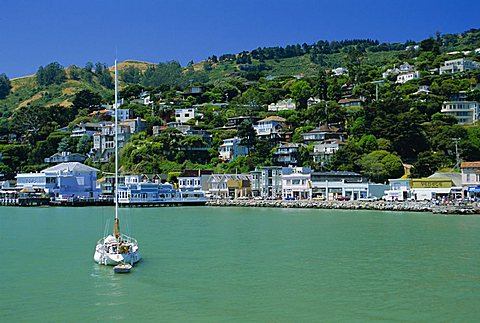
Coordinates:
(471,178)
(430,188)
(296,183)
(335,185)
(191,179)
(63,181)
(267,182)
(220,186)
(399,190)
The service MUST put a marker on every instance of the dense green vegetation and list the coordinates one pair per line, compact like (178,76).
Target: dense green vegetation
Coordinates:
(402,126)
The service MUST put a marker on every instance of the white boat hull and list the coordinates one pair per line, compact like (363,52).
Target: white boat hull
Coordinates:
(107,252)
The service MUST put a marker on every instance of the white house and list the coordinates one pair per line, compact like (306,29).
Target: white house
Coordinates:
(104,141)
(185,114)
(231,149)
(339,71)
(282,105)
(269,126)
(405,77)
(466,112)
(458,65)
(66,180)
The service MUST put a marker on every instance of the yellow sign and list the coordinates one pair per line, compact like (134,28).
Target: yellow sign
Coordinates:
(431,183)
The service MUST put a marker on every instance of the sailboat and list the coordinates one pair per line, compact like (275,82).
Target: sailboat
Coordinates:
(116,248)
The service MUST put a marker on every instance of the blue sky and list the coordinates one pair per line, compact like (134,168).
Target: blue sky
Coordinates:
(37,32)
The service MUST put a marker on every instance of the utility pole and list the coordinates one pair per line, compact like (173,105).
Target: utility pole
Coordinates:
(377,83)
(457,154)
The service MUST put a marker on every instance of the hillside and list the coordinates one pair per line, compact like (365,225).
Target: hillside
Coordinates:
(389,123)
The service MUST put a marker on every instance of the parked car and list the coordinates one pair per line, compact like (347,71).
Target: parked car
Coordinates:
(343,198)
(368,198)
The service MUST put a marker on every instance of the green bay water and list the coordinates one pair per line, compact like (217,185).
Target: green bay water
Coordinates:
(207,264)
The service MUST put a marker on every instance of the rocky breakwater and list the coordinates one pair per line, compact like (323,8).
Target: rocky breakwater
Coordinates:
(349,205)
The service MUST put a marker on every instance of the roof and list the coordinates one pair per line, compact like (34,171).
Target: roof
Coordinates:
(343,101)
(475,164)
(70,167)
(273,118)
(456,178)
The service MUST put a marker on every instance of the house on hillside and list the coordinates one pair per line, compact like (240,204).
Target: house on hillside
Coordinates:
(350,102)
(324,151)
(86,128)
(466,112)
(65,157)
(322,133)
(458,66)
(231,148)
(271,128)
(287,154)
(185,114)
(104,141)
(282,105)
(405,77)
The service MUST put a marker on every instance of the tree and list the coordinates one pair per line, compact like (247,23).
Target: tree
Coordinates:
(63,146)
(428,162)
(247,134)
(301,91)
(5,86)
(53,73)
(84,145)
(86,99)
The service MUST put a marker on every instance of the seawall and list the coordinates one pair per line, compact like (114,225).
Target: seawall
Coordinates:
(419,206)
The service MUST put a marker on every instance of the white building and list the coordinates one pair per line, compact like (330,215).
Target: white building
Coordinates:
(324,151)
(339,71)
(269,126)
(296,184)
(458,65)
(231,149)
(282,105)
(466,112)
(336,185)
(183,115)
(405,77)
(104,141)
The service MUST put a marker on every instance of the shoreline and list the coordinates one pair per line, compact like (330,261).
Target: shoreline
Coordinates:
(417,206)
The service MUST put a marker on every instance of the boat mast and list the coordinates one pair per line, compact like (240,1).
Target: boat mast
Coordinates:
(116,228)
